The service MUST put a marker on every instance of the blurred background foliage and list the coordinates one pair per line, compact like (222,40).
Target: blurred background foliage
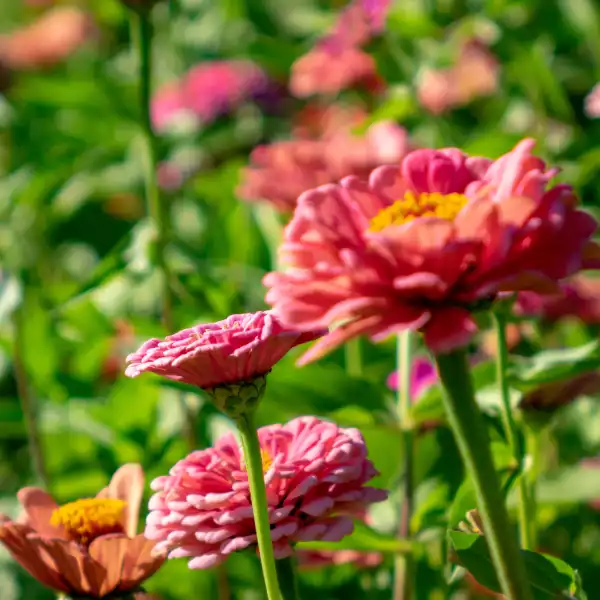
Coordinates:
(79,285)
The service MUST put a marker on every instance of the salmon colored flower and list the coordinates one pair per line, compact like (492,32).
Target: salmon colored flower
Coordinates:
(315,475)
(55,36)
(280,172)
(423,245)
(592,102)
(578,297)
(230,359)
(88,547)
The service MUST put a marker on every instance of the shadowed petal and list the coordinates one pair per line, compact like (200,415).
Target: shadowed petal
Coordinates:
(39,506)
(109,552)
(140,562)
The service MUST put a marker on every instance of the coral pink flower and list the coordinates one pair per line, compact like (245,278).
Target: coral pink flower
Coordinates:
(281,171)
(88,547)
(210,90)
(315,474)
(422,377)
(423,245)
(237,349)
(55,36)
(578,297)
(592,102)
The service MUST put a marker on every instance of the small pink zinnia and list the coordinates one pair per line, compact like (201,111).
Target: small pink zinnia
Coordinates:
(422,377)
(236,352)
(315,475)
(592,103)
(88,547)
(423,245)
(317,559)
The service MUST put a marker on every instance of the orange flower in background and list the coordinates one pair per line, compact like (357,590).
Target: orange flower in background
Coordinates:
(49,40)
(87,547)
(475,74)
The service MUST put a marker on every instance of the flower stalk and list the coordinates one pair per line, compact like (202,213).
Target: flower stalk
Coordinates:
(473,442)
(403,576)
(353,357)
(286,572)
(258,495)
(512,435)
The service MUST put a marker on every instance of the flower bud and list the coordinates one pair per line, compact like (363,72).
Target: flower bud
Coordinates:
(237,399)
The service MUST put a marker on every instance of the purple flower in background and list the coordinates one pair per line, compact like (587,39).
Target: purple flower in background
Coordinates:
(422,377)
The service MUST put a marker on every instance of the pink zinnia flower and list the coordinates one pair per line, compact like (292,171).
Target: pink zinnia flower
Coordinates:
(423,245)
(578,297)
(376,12)
(592,102)
(422,377)
(317,559)
(88,547)
(315,474)
(281,171)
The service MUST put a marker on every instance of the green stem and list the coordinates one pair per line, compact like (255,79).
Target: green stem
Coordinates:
(157,209)
(510,430)
(403,567)
(286,573)
(534,442)
(258,494)
(28,406)
(353,357)
(473,442)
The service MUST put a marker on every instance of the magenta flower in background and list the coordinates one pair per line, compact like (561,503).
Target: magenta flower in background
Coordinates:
(422,377)
(422,245)
(210,90)
(377,12)
(315,475)
(592,103)
(237,349)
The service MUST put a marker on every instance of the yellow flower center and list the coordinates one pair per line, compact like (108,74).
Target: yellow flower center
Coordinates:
(266,458)
(85,520)
(434,204)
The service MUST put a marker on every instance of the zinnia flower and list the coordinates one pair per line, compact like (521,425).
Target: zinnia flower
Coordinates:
(315,475)
(230,358)
(422,377)
(317,559)
(592,102)
(280,172)
(423,245)
(88,547)
(54,37)
(578,297)
(210,90)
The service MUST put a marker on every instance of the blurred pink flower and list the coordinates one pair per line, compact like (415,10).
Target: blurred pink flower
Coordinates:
(376,12)
(49,40)
(317,559)
(593,464)
(209,90)
(280,172)
(88,547)
(237,349)
(592,103)
(315,475)
(422,377)
(422,245)
(475,74)
(577,297)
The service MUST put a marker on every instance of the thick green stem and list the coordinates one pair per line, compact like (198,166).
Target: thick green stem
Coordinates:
(510,430)
(473,442)
(258,494)
(353,357)
(288,582)
(403,567)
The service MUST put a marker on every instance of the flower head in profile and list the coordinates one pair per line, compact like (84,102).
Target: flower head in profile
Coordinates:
(230,358)
(280,172)
(423,245)
(88,547)
(315,475)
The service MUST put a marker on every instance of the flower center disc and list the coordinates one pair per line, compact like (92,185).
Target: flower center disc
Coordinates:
(85,520)
(434,204)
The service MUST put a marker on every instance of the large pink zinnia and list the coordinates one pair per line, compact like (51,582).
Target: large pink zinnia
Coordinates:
(423,245)
(314,473)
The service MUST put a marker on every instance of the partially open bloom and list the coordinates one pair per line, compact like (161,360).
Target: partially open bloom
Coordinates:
(315,475)
(423,245)
(229,358)
(475,74)
(577,297)
(592,102)
(280,172)
(88,547)
(54,37)
(210,90)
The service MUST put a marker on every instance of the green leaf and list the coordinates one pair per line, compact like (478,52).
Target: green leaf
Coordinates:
(464,500)
(549,577)
(554,365)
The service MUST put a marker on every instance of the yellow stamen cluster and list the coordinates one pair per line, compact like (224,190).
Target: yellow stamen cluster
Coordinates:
(266,459)
(85,520)
(442,206)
